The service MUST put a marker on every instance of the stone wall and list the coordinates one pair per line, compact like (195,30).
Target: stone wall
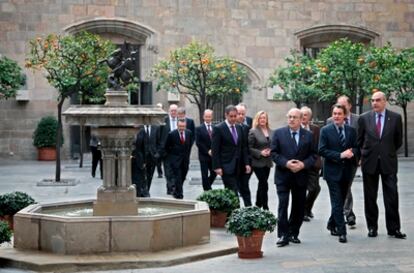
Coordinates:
(258,33)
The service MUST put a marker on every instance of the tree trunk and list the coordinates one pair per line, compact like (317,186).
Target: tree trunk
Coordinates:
(82,135)
(404,107)
(58,140)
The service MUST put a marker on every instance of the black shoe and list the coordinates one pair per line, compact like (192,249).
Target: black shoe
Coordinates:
(306,218)
(169,192)
(333,231)
(93,175)
(372,233)
(294,239)
(397,234)
(160,176)
(283,241)
(310,214)
(351,221)
(342,238)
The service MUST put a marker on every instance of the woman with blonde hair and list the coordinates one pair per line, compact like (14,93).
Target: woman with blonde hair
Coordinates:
(259,145)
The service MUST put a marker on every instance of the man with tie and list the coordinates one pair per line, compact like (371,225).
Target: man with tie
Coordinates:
(181,114)
(379,138)
(170,125)
(293,152)
(243,183)
(177,148)
(351,119)
(203,135)
(152,147)
(229,151)
(313,188)
(338,147)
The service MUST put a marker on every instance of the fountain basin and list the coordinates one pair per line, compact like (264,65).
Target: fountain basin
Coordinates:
(183,223)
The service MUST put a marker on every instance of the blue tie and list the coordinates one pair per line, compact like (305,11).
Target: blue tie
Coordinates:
(342,137)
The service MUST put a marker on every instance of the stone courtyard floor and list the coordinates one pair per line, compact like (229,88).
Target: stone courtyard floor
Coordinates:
(318,252)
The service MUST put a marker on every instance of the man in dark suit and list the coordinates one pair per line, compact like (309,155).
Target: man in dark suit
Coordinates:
(190,122)
(338,147)
(313,184)
(243,183)
(352,120)
(229,152)
(170,125)
(178,148)
(203,135)
(293,152)
(152,147)
(379,138)
(138,165)
(242,110)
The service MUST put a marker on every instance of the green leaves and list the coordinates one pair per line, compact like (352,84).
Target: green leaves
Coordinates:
(11,203)
(197,73)
(297,79)
(45,133)
(5,232)
(220,199)
(11,77)
(244,220)
(73,63)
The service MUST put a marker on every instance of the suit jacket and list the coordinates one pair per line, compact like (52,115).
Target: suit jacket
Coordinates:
(316,133)
(354,121)
(249,122)
(203,142)
(334,167)
(152,143)
(384,148)
(283,150)
(190,125)
(176,152)
(138,154)
(257,143)
(226,154)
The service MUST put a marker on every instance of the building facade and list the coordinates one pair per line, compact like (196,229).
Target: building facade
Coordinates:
(258,34)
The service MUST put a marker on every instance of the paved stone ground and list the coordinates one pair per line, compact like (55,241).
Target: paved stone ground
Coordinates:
(318,252)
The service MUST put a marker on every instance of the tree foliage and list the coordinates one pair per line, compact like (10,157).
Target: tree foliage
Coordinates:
(296,79)
(11,77)
(73,66)
(202,77)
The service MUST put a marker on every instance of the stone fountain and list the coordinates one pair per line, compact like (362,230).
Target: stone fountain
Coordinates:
(115,224)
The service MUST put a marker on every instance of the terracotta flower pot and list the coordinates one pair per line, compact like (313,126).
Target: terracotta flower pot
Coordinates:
(46,153)
(218,218)
(250,247)
(8,219)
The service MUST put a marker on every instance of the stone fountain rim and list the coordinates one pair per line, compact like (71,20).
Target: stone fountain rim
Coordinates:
(199,207)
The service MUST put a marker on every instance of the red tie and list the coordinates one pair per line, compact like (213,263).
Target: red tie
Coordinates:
(182,138)
(379,125)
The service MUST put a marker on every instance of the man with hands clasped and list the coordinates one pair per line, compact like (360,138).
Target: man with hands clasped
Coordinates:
(293,152)
(338,147)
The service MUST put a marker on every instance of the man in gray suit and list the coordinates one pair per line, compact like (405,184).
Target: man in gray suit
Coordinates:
(352,120)
(379,138)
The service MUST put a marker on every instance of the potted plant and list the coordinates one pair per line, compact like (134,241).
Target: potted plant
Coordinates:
(221,203)
(249,224)
(11,203)
(44,138)
(5,232)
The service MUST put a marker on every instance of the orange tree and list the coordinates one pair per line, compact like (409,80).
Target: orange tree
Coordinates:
(72,63)
(296,79)
(392,72)
(11,77)
(203,78)
(341,71)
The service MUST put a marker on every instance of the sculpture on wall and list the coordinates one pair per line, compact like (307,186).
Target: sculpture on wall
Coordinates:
(122,63)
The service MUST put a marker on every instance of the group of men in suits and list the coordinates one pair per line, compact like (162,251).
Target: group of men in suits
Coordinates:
(371,139)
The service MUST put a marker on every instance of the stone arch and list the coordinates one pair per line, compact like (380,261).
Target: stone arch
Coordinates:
(253,76)
(320,36)
(120,29)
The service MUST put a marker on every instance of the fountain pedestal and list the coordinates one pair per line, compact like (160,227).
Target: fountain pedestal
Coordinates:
(116,196)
